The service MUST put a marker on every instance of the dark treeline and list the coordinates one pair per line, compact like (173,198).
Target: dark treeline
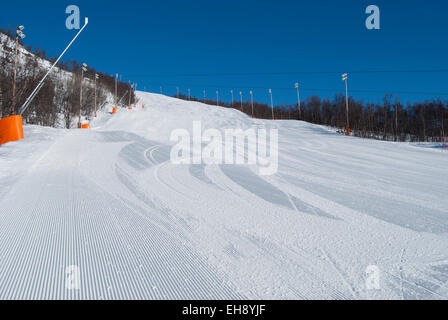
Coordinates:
(390,120)
(58,102)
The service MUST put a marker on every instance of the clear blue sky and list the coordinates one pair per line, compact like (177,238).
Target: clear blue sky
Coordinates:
(140,39)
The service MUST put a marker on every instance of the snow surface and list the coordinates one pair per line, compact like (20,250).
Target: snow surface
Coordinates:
(23,54)
(109,201)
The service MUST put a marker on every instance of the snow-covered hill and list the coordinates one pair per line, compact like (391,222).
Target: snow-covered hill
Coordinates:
(24,54)
(344,218)
(32,67)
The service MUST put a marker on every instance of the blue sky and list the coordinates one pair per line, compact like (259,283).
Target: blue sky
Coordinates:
(145,41)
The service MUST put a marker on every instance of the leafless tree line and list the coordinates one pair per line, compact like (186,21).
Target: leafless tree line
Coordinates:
(389,120)
(58,102)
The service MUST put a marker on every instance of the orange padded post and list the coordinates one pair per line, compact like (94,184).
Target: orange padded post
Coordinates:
(143,106)
(347,129)
(86,126)
(114,110)
(11,129)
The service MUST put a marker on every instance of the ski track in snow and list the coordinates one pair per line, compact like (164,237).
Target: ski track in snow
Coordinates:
(110,202)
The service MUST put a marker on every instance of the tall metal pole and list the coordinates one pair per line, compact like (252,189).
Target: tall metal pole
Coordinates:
(272,104)
(116,90)
(189,94)
(346,102)
(231,91)
(344,78)
(13,107)
(217,97)
(441,122)
(298,101)
(130,93)
(161,90)
(135,89)
(396,122)
(178,93)
(252,102)
(83,69)
(96,77)
(204,95)
(241,96)
(80,98)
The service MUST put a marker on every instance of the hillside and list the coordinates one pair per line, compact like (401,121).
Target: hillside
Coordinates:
(111,203)
(58,102)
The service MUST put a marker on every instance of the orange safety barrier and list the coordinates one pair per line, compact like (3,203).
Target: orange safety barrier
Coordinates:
(11,129)
(347,130)
(114,110)
(86,126)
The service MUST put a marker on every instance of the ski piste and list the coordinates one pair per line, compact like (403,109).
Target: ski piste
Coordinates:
(107,208)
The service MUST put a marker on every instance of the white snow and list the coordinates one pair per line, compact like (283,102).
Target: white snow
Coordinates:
(109,201)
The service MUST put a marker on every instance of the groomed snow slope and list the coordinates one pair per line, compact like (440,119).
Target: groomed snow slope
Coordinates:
(109,201)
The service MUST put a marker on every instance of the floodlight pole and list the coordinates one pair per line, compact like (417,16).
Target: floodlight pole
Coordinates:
(272,104)
(130,92)
(241,97)
(41,83)
(116,90)
(20,34)
(15,75)
(135,89)
(80,94)
(298,101)
(80,98)
(217,98)
(252,102)
(96,78)
(346,102)
(345,78)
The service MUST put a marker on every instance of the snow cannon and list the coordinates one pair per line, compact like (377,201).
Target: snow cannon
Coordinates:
(114,110)
(11,129)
